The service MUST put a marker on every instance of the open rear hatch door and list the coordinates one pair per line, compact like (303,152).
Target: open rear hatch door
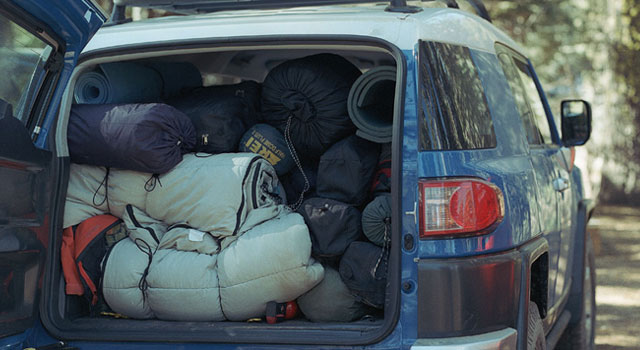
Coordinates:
(39,45)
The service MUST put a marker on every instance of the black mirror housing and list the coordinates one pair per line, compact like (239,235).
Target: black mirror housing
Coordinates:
(576,122)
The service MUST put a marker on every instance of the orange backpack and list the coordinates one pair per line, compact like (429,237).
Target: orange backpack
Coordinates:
(83,248)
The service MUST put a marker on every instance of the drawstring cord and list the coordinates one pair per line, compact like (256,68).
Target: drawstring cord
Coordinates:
(385,249)
(105,183)
(294,155)
(150,185)
(142,284)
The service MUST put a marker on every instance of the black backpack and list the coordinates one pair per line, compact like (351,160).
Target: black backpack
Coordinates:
(363,269)
(332,225)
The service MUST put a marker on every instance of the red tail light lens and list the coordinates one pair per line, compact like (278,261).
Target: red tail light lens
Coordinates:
(459,207)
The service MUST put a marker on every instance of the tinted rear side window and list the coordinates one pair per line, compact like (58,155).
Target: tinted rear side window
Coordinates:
(452,106)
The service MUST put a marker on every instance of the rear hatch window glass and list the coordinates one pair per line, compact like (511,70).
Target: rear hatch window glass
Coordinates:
(452,106)
(21,65)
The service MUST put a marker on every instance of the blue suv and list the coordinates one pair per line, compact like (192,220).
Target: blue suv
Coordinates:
(488,249)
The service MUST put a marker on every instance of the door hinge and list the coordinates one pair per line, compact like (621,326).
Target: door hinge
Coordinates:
(54,62)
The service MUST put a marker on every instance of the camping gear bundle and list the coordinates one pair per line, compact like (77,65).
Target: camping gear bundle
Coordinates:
(194,203)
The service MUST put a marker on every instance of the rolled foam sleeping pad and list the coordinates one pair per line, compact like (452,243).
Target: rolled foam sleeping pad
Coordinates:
(128,82)
(122,82)
(370,104)
(176,76)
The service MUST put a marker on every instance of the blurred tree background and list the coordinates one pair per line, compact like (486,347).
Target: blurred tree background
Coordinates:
(587,49)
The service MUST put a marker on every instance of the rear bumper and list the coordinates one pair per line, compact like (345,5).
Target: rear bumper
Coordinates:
(474,302)
(505,339)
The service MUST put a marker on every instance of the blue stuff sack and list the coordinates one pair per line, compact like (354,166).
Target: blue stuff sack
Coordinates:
(268,142)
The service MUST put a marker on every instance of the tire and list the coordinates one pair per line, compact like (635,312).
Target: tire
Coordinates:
(581,334)
(535,331)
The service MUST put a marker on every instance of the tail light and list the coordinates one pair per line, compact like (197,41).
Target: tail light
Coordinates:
(459,207)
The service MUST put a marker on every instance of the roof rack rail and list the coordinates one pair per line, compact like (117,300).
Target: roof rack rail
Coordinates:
(401,6)
(118,14)
(478,7)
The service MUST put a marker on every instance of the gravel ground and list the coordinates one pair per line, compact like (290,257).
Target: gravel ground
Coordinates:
(616,236)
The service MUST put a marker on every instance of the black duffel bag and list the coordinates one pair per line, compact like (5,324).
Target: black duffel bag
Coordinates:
(150,138)
(311,94)
(221,114)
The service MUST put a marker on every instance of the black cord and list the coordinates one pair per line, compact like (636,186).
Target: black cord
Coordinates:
(150,185)
(142,284)
(105,183)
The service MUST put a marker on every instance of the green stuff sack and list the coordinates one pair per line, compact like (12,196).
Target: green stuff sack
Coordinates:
(376,220)
(331,301)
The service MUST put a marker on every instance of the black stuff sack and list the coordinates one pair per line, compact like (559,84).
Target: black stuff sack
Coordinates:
(221,114)
(332,226)
(376,220)
(310,95)
(363,269)
(346,169)
(150,138)
(268,142)
(331,301)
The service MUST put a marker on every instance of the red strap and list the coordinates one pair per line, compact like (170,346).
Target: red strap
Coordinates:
(69,268)
(87,279)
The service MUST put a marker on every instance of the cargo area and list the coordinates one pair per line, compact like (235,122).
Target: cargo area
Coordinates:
(236,194)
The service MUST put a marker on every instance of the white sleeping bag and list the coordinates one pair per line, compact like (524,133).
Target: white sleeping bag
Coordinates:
(270,262)
(187,281)
(125,264)
(223,194)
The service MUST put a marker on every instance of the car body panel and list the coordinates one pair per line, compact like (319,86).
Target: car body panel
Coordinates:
(400,29)
(26,167)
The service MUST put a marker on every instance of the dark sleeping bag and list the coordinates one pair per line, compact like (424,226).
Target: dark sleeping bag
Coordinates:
(221,114)
(346,169)
(311,91)
(150,138)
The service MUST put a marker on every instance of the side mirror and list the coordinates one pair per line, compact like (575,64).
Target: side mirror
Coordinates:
(6,110)
(576,122)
